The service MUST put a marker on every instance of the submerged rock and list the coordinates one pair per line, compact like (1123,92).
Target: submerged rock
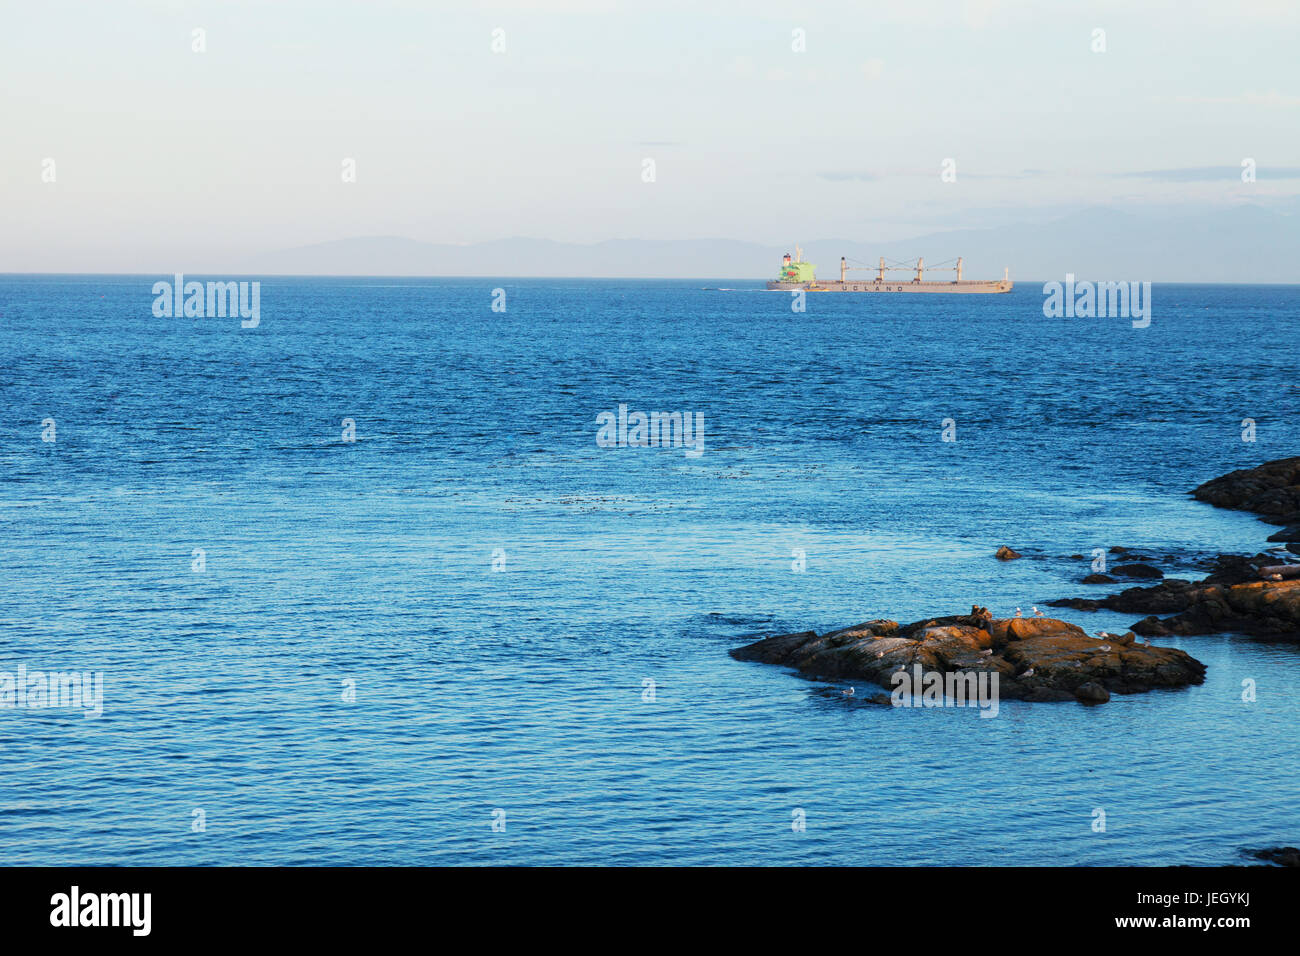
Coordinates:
(1137,571)
(1281,855)
(1037,659)
(1092,693)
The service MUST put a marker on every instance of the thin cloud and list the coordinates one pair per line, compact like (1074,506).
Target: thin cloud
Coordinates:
(851,177)
(875,177)
(1252,98)
(1205,174)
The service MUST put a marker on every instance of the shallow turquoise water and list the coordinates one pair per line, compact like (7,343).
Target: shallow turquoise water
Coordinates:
(371,562)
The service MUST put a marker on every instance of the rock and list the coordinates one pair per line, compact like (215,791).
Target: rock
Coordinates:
(1137,571)
(1006,554)
(1092,693)
(1011,629)
(1271,490)
(1035,659)
(1281,855)
(1168,597)
(1286,534)
(1262,608)
(1099,579)
(1236,569)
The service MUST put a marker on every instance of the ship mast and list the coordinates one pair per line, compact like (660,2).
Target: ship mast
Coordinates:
(919,269)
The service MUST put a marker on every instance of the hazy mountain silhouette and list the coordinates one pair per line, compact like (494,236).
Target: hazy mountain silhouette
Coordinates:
(1240,244)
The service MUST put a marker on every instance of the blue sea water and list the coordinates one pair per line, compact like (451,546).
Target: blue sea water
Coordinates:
(333,567)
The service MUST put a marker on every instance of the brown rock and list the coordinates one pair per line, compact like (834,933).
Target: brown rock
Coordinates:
(1022,628)
(1036,659)
(1006,554)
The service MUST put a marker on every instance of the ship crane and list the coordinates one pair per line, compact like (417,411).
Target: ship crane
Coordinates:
(881,269)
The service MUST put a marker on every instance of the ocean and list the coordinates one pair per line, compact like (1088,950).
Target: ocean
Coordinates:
(462,631)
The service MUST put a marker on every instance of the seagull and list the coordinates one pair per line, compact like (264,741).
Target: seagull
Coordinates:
(848,693)
(879,654)
(987,653)
(1105,647)
(1017,612)
(1037,613)
(1103,634)
(1028,673)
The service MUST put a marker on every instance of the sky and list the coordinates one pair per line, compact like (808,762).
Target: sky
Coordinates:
(164,157)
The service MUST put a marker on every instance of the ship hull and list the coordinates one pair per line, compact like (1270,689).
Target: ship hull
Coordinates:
(965,287)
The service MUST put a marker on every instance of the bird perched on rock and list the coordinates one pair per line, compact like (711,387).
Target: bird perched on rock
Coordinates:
(879,654)
(1028,673)
(1017,612)
(1038,613)
(1103,634)
(1104,647)
(988,652)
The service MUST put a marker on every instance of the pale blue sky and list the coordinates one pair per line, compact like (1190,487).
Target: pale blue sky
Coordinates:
(164,154)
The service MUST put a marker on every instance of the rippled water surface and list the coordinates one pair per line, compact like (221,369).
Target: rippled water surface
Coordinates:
(333,565)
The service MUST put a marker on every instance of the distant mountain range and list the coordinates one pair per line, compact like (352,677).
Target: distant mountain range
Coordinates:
(1239,244)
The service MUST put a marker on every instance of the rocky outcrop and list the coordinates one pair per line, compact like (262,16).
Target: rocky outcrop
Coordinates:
(1006,554)
(1272,491)
(1036,659)
(1242,594)
(1261,608)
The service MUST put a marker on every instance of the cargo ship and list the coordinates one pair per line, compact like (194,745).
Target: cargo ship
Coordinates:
(797,274)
